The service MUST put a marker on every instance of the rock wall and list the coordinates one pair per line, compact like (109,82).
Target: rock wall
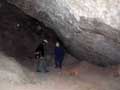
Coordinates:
(88,28)
(11,72)
(20,35)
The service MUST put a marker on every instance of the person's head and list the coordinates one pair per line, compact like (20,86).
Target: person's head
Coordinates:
(57,44)
(44,41)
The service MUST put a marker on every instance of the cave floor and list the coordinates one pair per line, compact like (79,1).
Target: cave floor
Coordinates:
(88,77)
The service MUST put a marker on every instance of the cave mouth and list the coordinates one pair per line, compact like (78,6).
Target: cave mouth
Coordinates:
(20,35)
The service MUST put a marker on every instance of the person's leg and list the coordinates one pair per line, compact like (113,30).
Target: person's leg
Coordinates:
(45,67)
(48,60)
(60,62)
(38,65)
(41,66)
(56,62)
(37,68)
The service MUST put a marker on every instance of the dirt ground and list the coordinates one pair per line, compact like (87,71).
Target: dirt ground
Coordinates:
(80,76)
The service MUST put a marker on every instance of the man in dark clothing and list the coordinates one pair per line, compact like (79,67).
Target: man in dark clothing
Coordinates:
(59,55)
(40,49)
(40,56)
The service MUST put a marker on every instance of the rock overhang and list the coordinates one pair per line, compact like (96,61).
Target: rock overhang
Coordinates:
(90,29)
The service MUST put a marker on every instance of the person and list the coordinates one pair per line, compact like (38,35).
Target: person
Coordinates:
(40,56)
(42,66)
(59,55)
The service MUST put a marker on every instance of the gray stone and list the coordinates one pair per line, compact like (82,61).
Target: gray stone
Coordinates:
(90,29)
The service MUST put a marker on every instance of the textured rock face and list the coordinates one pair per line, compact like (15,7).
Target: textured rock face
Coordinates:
(89,28)
(11,71)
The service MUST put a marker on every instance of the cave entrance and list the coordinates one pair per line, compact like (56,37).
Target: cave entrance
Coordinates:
(20,34)
(45,33)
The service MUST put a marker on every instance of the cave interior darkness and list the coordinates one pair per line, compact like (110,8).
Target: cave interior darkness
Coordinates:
(20,34)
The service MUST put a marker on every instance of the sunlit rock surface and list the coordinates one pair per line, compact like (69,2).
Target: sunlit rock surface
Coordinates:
(88,28)
(11,71)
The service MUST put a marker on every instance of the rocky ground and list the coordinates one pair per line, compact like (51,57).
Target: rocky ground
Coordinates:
(80,76)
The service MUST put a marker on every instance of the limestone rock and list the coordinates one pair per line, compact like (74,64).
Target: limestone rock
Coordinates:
(11,71)
(90,29)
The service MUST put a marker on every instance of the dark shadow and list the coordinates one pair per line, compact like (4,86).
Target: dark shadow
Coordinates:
(20,35)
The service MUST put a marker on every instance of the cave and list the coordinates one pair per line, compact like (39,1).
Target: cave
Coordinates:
(90,26)
(21,34)
(87,30)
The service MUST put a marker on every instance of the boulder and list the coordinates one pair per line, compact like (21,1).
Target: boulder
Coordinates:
(90,29)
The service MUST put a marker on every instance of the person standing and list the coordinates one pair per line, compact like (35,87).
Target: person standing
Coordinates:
(40,56)
(59,55)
